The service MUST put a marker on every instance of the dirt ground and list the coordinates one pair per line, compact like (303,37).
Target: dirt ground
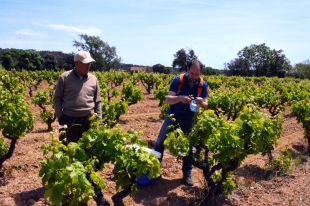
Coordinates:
(21,185)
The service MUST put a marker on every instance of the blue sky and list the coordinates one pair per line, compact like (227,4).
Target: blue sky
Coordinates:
(149,32)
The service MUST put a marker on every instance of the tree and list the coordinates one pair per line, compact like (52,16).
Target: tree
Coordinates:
(182,57)
(259,60)
(30,60)
(50,62)
(210,71)
(302,70)
(239,66)
(56,60)
(9,58)
(159,68)
(66,62)
(35,60)
(22,59)
(8,61)
(105,56)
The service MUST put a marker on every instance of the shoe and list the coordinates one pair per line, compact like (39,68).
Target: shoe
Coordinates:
(188,181)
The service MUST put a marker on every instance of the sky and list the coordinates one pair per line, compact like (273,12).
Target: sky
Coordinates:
(151,31)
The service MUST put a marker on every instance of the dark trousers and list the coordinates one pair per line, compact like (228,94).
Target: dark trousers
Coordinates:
(76,127)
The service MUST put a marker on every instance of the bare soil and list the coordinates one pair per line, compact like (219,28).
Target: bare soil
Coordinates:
(21,185)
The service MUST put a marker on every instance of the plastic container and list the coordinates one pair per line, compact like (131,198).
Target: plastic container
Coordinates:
(194,106)
(143,180)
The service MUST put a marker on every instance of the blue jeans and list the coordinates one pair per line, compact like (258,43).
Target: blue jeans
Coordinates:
(186,126)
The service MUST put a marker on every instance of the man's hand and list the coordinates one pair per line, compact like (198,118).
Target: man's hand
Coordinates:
(184,99)
(172,98)
(202,102)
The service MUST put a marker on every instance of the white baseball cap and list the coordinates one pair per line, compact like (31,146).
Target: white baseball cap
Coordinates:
(83,56)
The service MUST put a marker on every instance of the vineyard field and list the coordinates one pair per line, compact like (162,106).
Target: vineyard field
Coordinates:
(20,183)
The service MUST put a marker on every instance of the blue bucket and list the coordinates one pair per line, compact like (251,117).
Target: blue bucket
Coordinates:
(144,180)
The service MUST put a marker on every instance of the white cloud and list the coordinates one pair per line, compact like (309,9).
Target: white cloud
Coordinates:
(76,29)
(29,32)
(37,44)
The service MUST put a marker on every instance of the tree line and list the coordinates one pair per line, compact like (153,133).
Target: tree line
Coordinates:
(31,60)
(253,60)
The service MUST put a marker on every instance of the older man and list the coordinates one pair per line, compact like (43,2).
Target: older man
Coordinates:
(77,96)
(178,98)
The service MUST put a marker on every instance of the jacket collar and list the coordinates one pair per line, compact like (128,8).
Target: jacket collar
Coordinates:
(77,75)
